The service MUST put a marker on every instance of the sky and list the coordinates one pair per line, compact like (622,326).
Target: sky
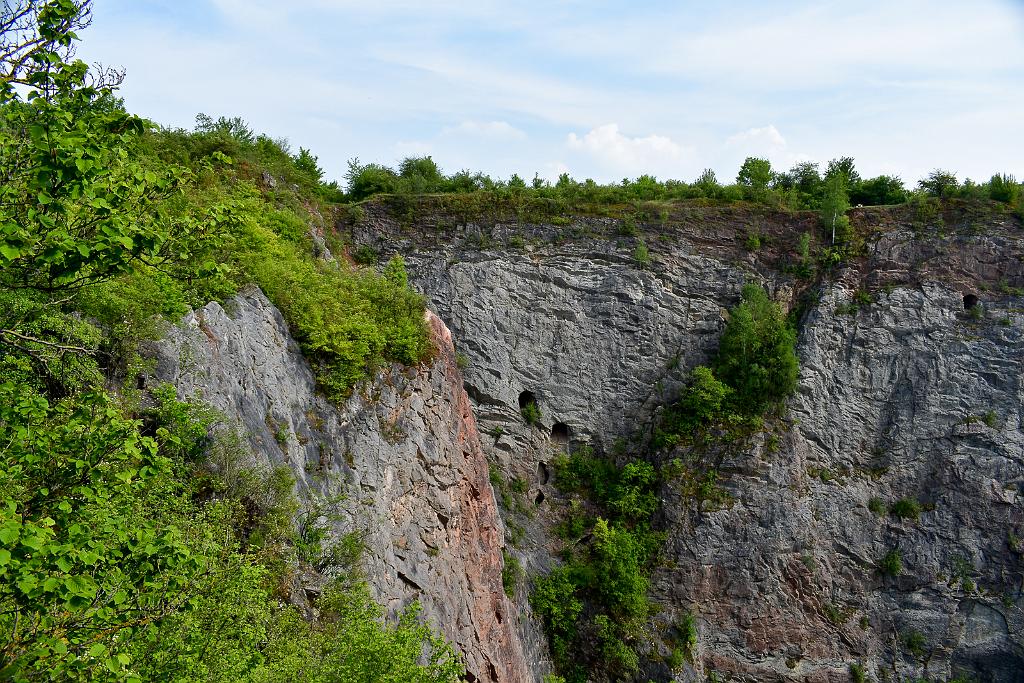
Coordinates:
(595,88)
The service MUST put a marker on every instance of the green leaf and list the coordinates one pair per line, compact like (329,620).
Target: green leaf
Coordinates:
(9,534)
(9,251)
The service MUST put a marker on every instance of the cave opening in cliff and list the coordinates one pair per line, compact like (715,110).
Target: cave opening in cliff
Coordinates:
(560,433)
(527,398)
(970,301)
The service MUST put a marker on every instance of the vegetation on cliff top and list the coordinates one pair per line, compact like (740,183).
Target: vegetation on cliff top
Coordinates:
(803,187)
(122,555)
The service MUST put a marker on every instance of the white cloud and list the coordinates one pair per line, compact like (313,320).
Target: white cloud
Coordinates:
(630,155)
(495,130)
(766,138)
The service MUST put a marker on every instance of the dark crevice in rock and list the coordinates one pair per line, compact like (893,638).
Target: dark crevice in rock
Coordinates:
(560,433)
(409,582)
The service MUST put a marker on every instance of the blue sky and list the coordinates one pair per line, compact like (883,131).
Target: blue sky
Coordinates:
(595,88)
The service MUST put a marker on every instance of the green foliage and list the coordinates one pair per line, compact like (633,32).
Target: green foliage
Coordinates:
(915,643)
(511,571)
(618,556)
(1004,188)
(906,508)
(610,565)
(939,184)
(348,321)
(877,506)
(306,163)
(891,563)
(857,674)
(77,206)
(834,205)
(756,356)
(687,628)
(555,602)
(754,176)
(531,413)
(641,255)
(704,401)
(92,535)
(879,191)
(135,544)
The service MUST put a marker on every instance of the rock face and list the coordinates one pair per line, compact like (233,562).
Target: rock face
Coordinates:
(909,399)
(404,453)
(905,394)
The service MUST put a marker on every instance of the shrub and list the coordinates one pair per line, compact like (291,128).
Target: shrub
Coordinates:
(1004,188)
(877,506)
(511,570)
(703,402)
(915,643)
(756,355)
(348,321)
(906,508)
(879,191)
(531,413)
(556,604)
(687,627)
(891,563)
(641,255)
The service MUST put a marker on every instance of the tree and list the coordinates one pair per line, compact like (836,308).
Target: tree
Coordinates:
(1003,188)
(75,206)
(939,183)
(843,166)
(834,205)
(235,127)
(309,164)
(755,175)
(879,191)
(420,174)
(707,183)
(364,181)
(32,32)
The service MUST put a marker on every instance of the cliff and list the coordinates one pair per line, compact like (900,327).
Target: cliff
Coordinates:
(910,388)
(909,395)
(402,454)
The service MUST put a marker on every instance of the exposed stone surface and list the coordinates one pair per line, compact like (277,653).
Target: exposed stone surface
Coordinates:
(888,406)
(892,404)
(404,451)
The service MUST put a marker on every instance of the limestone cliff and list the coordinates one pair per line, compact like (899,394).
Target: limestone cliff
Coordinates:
(910,389)
(403,452)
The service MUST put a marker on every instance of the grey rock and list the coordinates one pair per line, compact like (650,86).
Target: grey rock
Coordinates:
(890,405)
(403,451)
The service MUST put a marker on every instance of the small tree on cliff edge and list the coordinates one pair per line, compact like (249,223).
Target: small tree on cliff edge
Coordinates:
(834,205)
(755,175)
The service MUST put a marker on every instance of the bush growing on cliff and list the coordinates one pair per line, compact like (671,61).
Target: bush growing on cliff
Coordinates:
(906,508)
(756,355)
(891,563)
